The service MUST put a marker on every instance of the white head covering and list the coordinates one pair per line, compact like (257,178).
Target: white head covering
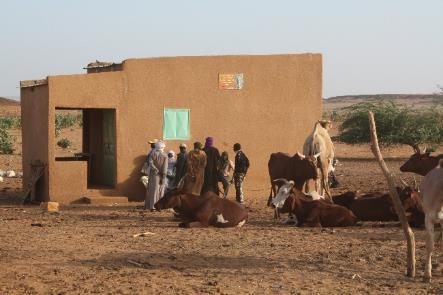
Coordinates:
(160,145)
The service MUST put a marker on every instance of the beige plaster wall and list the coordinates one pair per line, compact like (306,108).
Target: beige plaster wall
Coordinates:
(34,112)
(275,110)
(69,181)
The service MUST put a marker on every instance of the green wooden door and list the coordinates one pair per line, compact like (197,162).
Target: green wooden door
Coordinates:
(109,147)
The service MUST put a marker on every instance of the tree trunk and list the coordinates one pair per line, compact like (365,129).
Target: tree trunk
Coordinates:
(409,235)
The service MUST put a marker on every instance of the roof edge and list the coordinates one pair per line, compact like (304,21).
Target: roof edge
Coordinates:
(33,83)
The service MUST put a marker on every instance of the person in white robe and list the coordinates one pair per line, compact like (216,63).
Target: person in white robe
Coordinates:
(158,166)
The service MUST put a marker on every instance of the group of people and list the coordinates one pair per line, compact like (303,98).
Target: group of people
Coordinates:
(196,172)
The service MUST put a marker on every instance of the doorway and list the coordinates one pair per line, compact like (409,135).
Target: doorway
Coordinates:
(99,147)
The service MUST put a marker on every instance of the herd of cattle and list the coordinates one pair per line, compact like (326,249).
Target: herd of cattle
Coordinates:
(292,193)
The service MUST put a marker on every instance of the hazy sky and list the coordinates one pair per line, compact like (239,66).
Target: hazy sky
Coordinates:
(368,47)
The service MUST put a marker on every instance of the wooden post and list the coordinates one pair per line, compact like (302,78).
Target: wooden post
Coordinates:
(409,235)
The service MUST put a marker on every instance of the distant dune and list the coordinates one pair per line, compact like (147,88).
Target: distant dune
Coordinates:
(8,102)
(414,100)
(9,107)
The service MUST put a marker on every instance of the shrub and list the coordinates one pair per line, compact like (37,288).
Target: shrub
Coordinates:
(64,143)
(10,122)
(65,121)
(396,124)
(6,144)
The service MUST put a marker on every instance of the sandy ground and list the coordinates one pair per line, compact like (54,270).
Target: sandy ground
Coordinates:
(86,249)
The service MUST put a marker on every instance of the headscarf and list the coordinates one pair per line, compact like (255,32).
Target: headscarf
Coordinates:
(224,161)
(209,141)
(160,145)
(171,160)
(197,145)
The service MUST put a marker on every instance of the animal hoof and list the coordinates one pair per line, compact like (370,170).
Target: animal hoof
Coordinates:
(183,225)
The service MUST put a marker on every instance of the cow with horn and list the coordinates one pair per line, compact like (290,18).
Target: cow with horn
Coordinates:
(420,162)
(297,168)
(319,142)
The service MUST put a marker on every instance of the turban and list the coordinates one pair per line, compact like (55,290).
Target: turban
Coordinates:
(197,145)
(160,145)
(209,141)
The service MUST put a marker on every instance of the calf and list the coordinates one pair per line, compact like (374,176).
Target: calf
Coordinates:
(208,209)
(313,213)
(432,203)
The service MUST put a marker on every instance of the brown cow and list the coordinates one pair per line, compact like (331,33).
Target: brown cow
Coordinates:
(297,168)
(208,209)
(421,162)
(344,199)
(414,210)
(376,207)
(379,207)
(313,213)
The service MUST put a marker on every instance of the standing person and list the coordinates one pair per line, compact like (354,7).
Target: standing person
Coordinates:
(240,170)
(180,165)
(225,167)
(211,170)
(145,168)
(170,174)
(157,175)
(195,170)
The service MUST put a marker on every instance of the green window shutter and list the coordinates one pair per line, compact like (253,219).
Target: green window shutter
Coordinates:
(169,123)
(182,131)
(176,124)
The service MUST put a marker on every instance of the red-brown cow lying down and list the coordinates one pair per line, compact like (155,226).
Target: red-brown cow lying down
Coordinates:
(373,207)
(314,213)
(208,209)
(345,199)
(379,207)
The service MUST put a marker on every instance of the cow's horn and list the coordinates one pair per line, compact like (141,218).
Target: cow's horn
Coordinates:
(316,155)
(425,150)
(403,182)
(301,155)
(281,179)
(415,184)
(416,148)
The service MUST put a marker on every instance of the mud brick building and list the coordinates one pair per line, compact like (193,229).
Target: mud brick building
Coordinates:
(268,103)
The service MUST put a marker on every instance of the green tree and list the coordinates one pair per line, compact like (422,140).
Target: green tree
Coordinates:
(396,124)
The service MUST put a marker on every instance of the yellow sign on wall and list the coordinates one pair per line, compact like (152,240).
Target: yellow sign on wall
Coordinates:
(230,81)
